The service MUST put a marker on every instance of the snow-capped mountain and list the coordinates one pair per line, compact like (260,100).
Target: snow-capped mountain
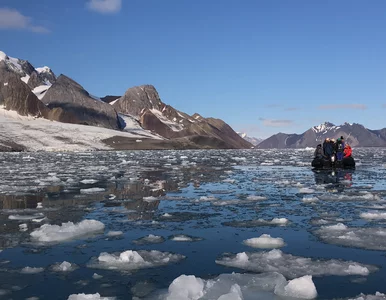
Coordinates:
(38,79)
(254,141)
(36,92)
(144,103)
(355,134)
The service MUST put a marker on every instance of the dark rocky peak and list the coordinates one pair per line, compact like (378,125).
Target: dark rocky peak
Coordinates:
(17,96)
(197,117)
(47,75)
(75,105)
(110,99)
(137,99)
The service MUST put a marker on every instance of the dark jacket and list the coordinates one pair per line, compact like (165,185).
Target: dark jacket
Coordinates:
(318,152)
(339,146)
(329,149)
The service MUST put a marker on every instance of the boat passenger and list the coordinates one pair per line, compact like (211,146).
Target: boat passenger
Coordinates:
(347,151)
(318,151)
(339,147)
(329,148)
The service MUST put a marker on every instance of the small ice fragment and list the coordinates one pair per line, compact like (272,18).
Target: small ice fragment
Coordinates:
(114,233)
(31,270)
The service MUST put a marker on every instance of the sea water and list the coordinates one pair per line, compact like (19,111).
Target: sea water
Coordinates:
(200,224)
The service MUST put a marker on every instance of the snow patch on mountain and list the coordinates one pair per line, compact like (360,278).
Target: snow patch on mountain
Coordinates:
(173,125)
(40,91)
(44,69)
(324,127)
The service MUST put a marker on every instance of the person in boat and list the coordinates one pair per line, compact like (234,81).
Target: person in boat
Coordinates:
(339,148)
(328,148)
(347,151)
(318,151)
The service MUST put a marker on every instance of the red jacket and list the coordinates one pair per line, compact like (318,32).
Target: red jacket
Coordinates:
(347,151)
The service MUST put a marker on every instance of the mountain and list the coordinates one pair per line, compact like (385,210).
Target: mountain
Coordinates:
(154,115)
(17,96)
(73,104)
(254,141)
(355,134)
(137,120)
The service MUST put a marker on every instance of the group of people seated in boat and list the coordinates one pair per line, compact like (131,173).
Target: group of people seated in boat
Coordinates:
(331,148)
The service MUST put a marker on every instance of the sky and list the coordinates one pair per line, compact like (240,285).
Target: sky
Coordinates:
(264,66)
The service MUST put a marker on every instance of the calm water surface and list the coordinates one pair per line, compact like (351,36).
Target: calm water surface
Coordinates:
(219,198)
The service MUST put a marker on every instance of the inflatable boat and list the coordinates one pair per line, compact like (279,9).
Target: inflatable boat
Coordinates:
(325,163)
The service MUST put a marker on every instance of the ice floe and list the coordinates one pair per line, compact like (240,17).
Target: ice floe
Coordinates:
(359,237)
(264,241)
(82,296)
(362,196)
(373,216)
(184,238)
(238,287)
(25,217)
(31,270)
(258,222)
(149,239)
(92,190)
(293,266)
(114,233)
(64,267)
(133,260)
(67,231)
(377,296)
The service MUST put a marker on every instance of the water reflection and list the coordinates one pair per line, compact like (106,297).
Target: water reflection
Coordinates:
(334,179)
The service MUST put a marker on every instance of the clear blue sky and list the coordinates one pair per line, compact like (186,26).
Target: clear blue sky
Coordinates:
(262,66)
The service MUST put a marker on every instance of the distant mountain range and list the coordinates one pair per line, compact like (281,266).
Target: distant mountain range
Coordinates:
(253,140)
(37,92)
(355,134)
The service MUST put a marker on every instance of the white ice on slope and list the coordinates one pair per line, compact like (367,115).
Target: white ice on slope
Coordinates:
(294,266)
(365,237)
(264,241)
(38,134)
(67,231)
(133,260)
(238,287)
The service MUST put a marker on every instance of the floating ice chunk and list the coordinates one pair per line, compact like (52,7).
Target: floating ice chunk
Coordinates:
(303,288)
(39,220)
(294,266)
(149,239)
(133,260)
(237,287)
(355,197)
(186,287)
(114,233)
(258,222)
(89,181)
(25,217)
(23,227)
(150,199)
(366,238)
(112,197)
(92,190)
(309,199)
(64,267)
(373,216)
(208,198)
(96,296)
(31,270)
(166,215)
(256,198)
(306,191)
(39,205)
(97,276)
(67,231)
(184,238)
(265,241)
(377,296)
